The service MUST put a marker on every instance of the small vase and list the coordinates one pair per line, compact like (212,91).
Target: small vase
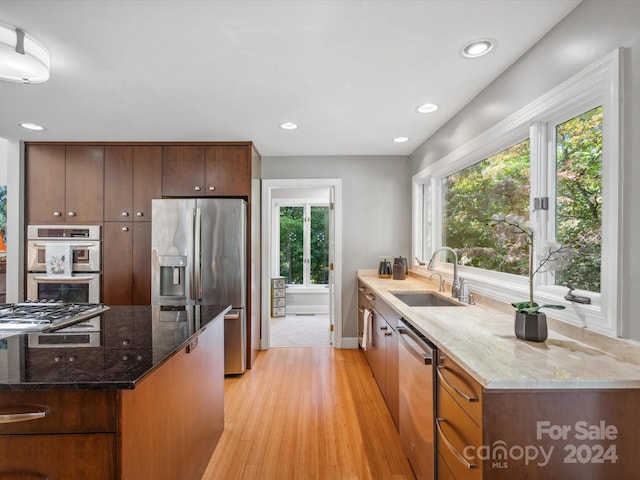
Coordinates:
(531,326)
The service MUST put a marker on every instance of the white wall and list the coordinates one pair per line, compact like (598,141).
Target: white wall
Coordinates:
(3,161)
(594,29)
(376,212)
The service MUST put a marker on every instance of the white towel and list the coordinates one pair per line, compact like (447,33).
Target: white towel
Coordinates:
(366,328)
(58,259)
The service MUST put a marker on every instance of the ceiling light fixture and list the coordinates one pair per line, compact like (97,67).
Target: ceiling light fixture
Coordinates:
(32,126)
(289,125)
(22,58)
(401,139)
(427,108)
(478,48)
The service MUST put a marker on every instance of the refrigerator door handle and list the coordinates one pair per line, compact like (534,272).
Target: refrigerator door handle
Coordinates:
(197,255)
(191,255)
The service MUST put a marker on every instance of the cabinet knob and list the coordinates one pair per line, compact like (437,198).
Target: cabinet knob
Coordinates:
(212,188)
(72,214)
(197,189)
(57,214)
(139,214)
(125,214)
(72,358)
(125,341)
(58,358)
(125,229)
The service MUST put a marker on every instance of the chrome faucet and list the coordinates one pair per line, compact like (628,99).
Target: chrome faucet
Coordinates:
(455,285)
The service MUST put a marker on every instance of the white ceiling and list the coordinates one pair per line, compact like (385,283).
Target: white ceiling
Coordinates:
(350,73)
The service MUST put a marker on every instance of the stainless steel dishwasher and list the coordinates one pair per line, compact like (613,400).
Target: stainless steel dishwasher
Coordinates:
(417,400)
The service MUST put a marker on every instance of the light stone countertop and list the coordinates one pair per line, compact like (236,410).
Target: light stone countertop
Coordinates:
(481,339)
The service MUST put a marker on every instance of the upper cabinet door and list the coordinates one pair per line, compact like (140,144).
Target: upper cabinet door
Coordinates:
(118,183)
(147,180)
(183,171)
(45,183)
(228,170)
(84,183)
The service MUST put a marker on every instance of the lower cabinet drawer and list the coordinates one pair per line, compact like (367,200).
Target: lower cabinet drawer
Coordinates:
(57,412)
(459,438)
(58,457)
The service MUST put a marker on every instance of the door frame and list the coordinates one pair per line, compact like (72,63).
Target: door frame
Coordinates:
(268,187)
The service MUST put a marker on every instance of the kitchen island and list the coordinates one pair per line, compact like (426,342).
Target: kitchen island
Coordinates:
(146,401)
(508,408)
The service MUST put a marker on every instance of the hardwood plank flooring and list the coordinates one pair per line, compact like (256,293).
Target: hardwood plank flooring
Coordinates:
(307,413)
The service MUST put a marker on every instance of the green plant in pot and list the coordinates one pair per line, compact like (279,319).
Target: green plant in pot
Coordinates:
(530,322)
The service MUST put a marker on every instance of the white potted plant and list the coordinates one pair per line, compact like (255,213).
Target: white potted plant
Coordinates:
(530,323)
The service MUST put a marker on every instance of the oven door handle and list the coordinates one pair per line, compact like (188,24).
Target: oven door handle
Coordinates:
(74,279)
(73,245)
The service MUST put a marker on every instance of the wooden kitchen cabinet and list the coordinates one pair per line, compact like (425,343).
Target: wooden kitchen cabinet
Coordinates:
(382,349)
(175,438)
(458,421)
(206,170)
(127,263)
(64,183)
(228,170)
(71,441)
(132,178)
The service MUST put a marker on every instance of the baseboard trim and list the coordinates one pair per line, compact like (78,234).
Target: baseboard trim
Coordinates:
(349,343)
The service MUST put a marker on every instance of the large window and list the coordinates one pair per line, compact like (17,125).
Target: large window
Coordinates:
(555,166)
(579,197)
(304,244)
(498,184)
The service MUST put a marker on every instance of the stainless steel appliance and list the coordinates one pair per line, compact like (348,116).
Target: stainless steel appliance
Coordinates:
(83,285)
(46,316)
(417,400)
(199,255)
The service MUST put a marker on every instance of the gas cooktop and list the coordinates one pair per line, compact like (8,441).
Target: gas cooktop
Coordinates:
(46,316)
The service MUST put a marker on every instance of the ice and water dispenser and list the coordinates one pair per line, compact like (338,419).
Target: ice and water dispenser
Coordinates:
(173,276)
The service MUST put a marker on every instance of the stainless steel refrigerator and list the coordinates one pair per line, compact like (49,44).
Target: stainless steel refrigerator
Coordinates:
(199,256)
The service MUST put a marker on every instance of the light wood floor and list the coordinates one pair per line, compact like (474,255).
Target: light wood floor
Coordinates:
(307,413)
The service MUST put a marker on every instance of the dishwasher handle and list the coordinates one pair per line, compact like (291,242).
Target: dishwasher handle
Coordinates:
(415,345)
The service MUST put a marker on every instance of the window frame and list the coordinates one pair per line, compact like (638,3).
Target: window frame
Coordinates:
(599,84)
(306,242)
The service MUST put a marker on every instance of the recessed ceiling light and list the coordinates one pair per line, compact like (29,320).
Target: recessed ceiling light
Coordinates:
(289,125)
(401,139)
(478,48)
(427,108)
(32,126)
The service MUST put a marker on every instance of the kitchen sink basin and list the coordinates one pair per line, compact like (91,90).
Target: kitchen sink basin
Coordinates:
(425,299)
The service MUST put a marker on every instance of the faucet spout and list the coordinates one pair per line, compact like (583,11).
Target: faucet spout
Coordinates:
(455,284)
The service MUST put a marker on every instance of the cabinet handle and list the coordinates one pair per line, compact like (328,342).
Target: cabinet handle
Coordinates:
(370,297)
(125,229)
(72,214)
(442,377)
(139,214)
(193,344)
(362,289)
(23,417)
(388,334)
(384,327)
(360,308)
(197,189)
(57,214)
(125,214)
(450,446)
(212,189)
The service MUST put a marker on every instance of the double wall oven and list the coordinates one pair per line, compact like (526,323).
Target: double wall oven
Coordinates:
(83,283)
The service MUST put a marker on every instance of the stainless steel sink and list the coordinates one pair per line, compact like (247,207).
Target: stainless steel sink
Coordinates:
(425,299)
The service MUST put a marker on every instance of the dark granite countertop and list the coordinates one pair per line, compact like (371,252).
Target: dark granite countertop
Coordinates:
(132,342)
